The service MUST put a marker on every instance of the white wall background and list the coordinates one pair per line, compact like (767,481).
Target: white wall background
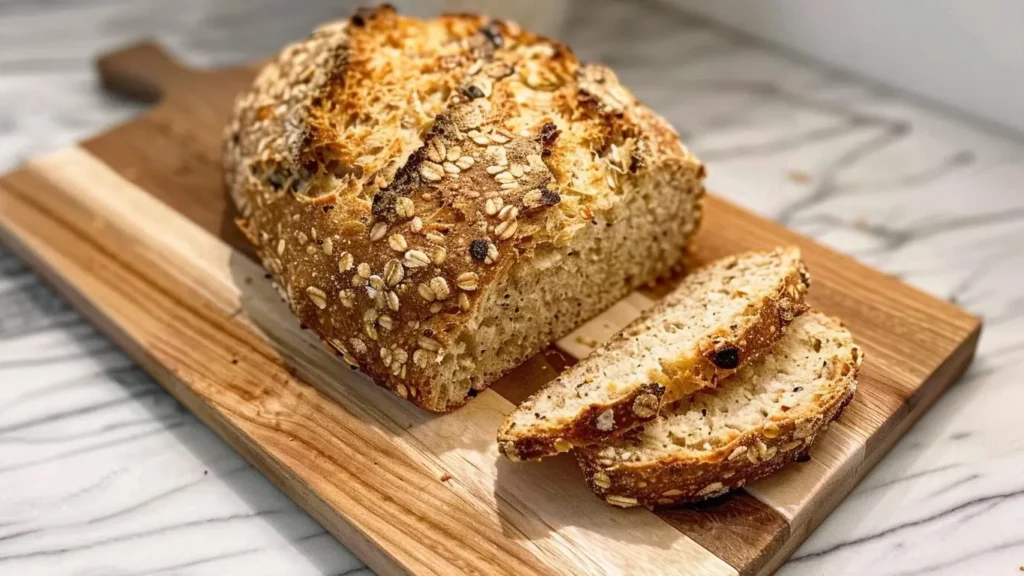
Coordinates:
(968,54)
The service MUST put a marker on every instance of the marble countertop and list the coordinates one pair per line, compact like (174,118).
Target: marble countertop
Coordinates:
(102,472)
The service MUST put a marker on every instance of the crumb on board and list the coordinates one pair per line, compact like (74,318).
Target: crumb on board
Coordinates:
(446,477)
(799,176)
(248,280)
(205,472)
(861,222)
(586,341)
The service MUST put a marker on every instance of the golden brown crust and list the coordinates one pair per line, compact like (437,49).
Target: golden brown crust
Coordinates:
(751,457)
(391,170)
(639,406)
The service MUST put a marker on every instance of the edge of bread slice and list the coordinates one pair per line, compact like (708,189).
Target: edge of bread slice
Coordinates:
(764,417)
(720,317)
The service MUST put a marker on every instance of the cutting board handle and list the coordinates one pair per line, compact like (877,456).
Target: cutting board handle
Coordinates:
(142,71)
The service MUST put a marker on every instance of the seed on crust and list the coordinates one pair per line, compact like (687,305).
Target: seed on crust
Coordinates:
(405,207)
(317,296)
(440,287)
(421,357)
(770,430)
(386,322)
(417,224)
(601,479)
(378,231)
(431,172)
(429,344)
(712,488)
(347,297)
(440,255)
(328,246)
(376,282)
(463,301)
(465,162)
(467,281)
(506,229)
(737,452)
(397,243)
(645,405)
(280,247)
(621,501)
(426,292)
(416,259)
(493,205)
(605,422)
(789,446)
(358,345)
(394,272)
(364,270)
(436,151)
(508,213)
(345,262)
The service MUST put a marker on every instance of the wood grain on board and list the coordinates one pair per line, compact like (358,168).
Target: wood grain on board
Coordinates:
(135,229)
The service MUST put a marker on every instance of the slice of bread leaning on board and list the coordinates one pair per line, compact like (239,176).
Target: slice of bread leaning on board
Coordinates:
(440,200)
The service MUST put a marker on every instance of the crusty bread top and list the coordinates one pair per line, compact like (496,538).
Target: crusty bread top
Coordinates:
(720,317)
(390,168)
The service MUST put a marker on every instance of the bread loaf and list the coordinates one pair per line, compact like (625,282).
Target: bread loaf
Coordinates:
(769,413)
(719,318)
(439,200)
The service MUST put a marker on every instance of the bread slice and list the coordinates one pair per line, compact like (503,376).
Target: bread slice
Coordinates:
(766,415)
(720,317)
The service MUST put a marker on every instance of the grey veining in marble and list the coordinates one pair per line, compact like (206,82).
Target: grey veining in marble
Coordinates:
(101,472)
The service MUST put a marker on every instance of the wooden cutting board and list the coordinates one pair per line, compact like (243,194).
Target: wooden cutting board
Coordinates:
(134,228)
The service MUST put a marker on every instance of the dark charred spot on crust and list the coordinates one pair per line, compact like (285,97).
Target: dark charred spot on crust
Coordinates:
(276,179)
(472,92)
(549,133)
(365,14)
(478,250)
(726,357)
(805,277)
(805,457)
(491,32)
(549,198)
(383,204)
(327,208)
(309,167)
(636,161)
